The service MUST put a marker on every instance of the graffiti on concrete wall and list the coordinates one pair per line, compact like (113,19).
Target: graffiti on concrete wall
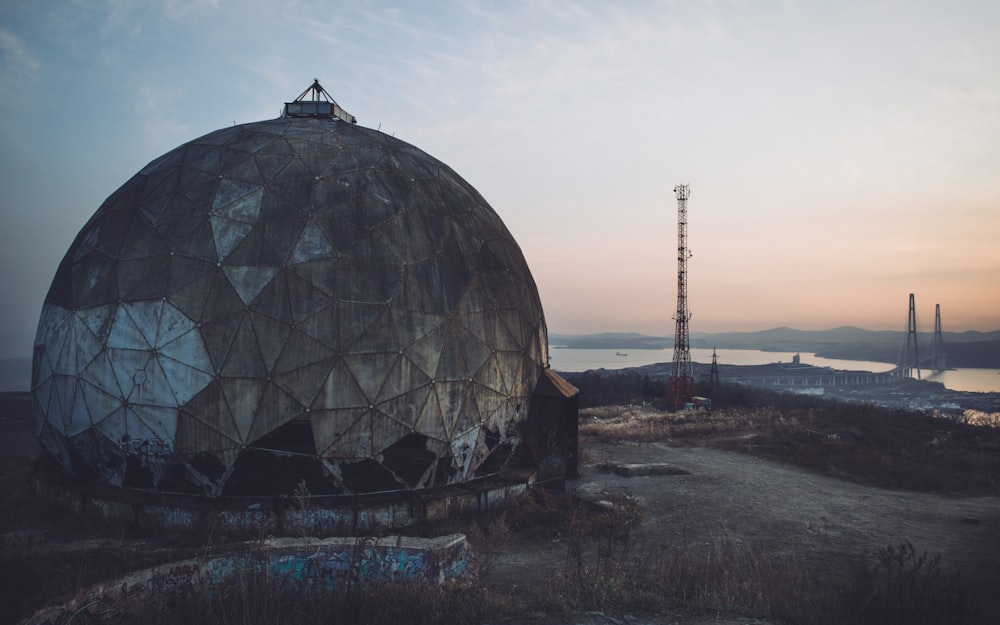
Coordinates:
(292,563)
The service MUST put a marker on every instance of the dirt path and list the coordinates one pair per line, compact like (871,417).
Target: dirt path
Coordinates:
(824,522)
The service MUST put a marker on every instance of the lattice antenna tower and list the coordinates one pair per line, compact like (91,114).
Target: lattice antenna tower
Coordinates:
(680,386)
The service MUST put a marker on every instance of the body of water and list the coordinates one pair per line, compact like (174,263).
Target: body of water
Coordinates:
(15,373)
(564,359)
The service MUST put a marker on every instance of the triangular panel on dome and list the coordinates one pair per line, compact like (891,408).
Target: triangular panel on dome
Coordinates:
(332,194)
(243,396)
(340,390)
(127,365)
(271,337)
(61,400)
(404,377)
(220,298)
(195,436)
(478,296)
(491,403)
(146,317)
(97,320)
(248,281)
(278,146)
(288,197)
(510,335)
(199,187)
(125,197)
(184,378)
(305,382)
(355,441)
(100,403)
(387,430)
(425,352)
(95,281)
(273,299)
(270,165)
(237,200)
(254,250)
(101,374)
(280,230)
(353,287)
(203,157)
(370,370)
(183,342)
(463,450)
(143,278)
(74,405)
(509,364)
(177,222)
(275,408)
(454,364)
(156,425)
(468,415)
(87,345)
(227,234)
(244,359)
(167,162)
(198,242)
(52,320)
(99,453)
(452,397)
(412,296)
(431,422)
(172,325)
(406,407)
(354,318)
(252,138)
(311,245)
(329,426)
(305,299)
(161,181)
(379,336)
(239,165)
(301,350)
(314,156)
(320,274)
(151,387)
(42,392)
(341,223)
(211,408)
(143,241)
(218,336)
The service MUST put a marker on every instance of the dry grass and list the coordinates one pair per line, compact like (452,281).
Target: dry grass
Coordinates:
(866,444)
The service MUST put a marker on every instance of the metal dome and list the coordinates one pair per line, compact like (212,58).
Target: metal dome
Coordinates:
(300,298)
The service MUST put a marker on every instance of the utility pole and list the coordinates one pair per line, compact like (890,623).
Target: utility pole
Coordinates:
(680,386)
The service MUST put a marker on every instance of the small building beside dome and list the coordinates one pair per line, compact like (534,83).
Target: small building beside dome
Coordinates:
(298,299)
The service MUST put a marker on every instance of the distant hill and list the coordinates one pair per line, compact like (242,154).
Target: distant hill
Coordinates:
(963,349)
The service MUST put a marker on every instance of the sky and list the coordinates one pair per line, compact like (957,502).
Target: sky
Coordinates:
(840,155)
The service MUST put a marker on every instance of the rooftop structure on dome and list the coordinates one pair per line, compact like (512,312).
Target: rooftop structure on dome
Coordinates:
(319,104)
(294,299)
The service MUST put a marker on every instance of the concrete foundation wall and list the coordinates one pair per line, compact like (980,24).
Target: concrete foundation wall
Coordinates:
(293,563)
(317,517)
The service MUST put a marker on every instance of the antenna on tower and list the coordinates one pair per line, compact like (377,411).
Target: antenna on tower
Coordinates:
(680,386)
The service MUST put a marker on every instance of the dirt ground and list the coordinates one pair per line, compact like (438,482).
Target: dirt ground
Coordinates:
(823,521)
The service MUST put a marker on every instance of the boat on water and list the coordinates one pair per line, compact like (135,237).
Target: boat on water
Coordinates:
(620,354)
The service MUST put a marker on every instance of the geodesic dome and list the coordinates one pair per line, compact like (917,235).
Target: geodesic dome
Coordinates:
(294,299)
